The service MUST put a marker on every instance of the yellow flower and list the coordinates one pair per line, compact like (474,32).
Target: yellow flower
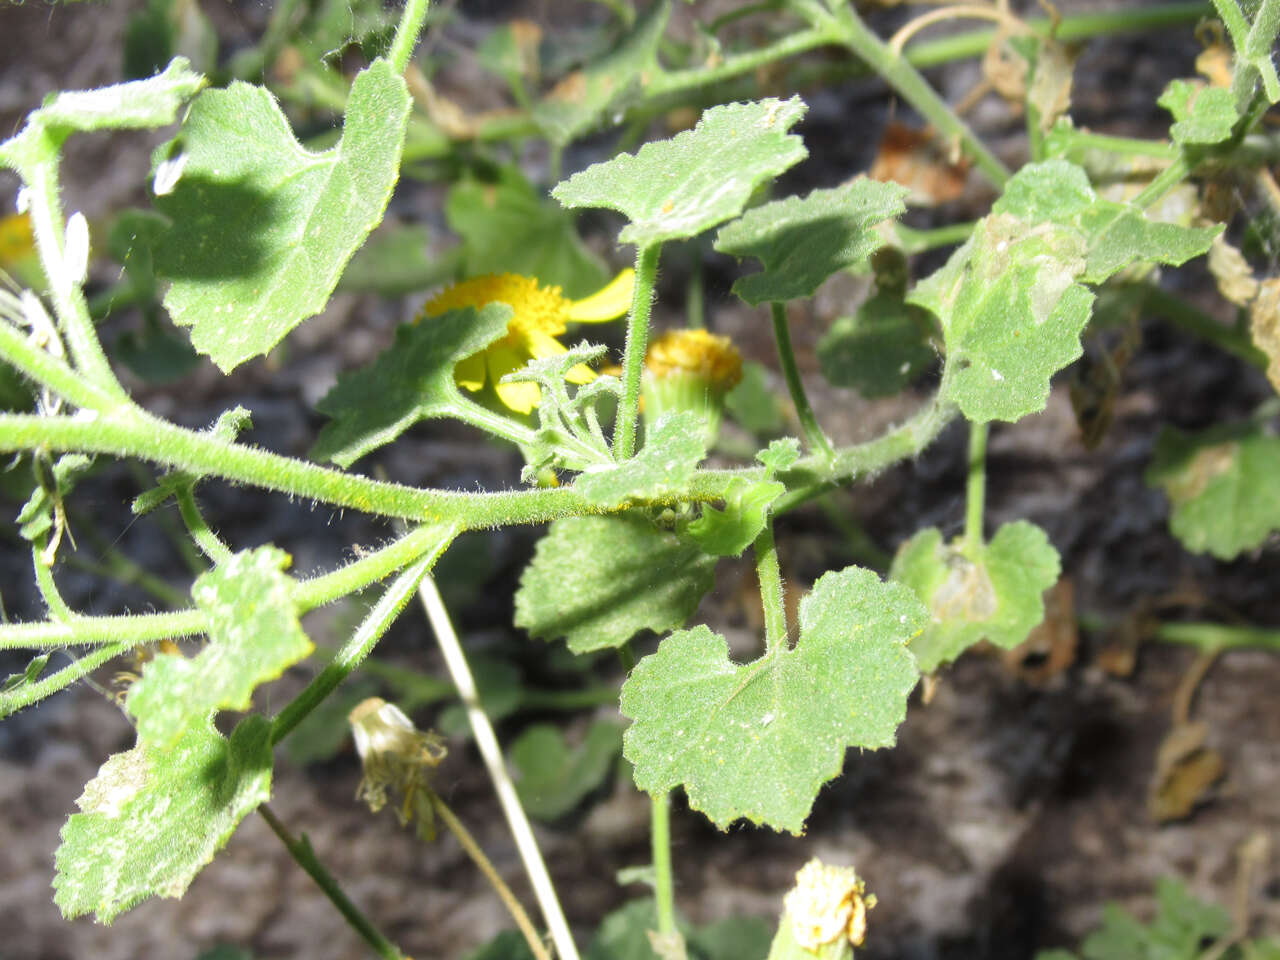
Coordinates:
(541,314)
(712,359)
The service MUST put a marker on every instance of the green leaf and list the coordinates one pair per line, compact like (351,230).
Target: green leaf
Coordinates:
(758,741)
(411,380)
(394,262)
(678,188)
(779,456)
(263,227)
(993,592)
(1181,925)
(1222,486)
(803,242)
(30,674)
(727,532)
(508,227)
(1011,314)
(552,777)
(1116,234)
(598,581)
(733,938)
(508,945)
(36,516)
(152,818)
(881,349)
(624,934)
(137,105)
(753,404)
(672,449)
(254,636)
(1203,114)
(580,100)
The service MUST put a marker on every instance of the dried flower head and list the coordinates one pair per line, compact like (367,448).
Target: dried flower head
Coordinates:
(395,755)
(828,903)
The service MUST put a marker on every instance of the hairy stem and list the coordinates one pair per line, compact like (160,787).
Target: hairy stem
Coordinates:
(305,856)
(361,644)
(771,599)
(976,485)
(624,434)
(663,877)
(406,38)
(813,434)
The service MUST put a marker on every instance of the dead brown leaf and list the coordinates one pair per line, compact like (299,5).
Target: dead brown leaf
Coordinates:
(1050,91)
(1185,771)
(1051,647)
(918,160)
(1236,281)
(1264,323)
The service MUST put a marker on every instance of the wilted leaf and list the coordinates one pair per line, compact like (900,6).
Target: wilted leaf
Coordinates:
(598,581)
(152,818)
(411,380)
(1236,281)
(803,242)
(677,188)
(1264,324)
(993,592)
(262,227)
(1185,770)
(918,161)
(759,740)
(254,636)
(1222,486)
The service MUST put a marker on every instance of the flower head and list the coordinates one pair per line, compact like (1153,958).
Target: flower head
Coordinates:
(828,904)
(540,315)
(690,370)
(395,755)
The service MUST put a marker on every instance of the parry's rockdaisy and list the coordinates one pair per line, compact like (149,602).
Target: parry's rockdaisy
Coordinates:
(541,314)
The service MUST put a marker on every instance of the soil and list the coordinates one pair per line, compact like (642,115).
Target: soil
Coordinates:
(1015,803)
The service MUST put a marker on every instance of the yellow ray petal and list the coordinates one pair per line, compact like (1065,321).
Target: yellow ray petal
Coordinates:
(470,372)
(503,359)
(608,303)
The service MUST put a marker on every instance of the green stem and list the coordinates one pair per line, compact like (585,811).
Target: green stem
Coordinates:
(663,877)
(124,570)
(813,434)
(362,642)
(1122,146)
(49,592)
(406,38)
(771,599)
(912,87)
(133,630)
(1183,314)
(495,423)
(208,541)
(920,241)
(1212,637)
(51,372)
(976,486)
(305,856)
(624,434)
(1163,182)
(679,81)
(40,174)
(30,693)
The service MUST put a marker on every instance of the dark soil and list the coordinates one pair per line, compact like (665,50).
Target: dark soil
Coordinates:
(1012,808)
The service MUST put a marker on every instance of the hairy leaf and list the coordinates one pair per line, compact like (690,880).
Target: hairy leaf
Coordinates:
(727,532)
(881,349)
(759,740)
(598,581)
(152,818)
(1202,114)
(1181,925)
(1222,486)
(263,227)
(803,242)
(993,593)
(553,778)
(672,450)
(508,227)
(678,188)
(254,636)
(411,380)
